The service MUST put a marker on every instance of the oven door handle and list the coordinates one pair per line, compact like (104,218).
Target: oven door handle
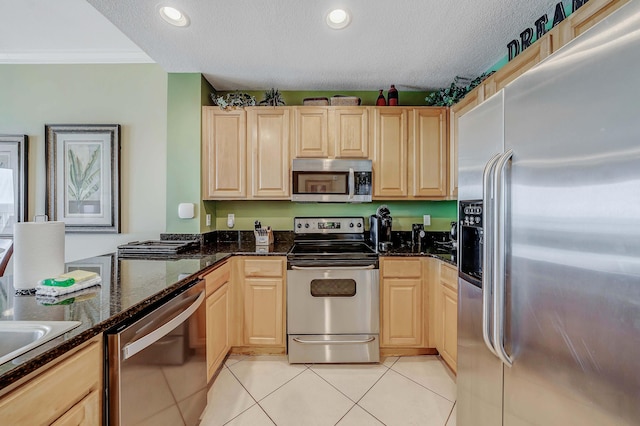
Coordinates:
(332,342)
(339,268)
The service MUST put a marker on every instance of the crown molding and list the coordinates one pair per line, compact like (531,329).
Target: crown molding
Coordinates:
(75,56)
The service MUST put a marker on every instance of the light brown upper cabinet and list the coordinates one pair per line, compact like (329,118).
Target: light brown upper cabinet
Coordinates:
(589,14)
(409,152)
(331,132)
(269,132)
(311,132)
(518,66)
(428,152)
(349,132)
(390,125)
(224,156)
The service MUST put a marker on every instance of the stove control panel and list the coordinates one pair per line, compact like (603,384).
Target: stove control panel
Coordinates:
(328,225)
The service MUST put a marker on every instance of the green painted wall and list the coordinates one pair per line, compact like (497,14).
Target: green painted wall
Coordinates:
(184,101)
(279,214)
(186,94)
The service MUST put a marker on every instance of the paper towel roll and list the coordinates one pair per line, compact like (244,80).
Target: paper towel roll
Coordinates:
(38,252)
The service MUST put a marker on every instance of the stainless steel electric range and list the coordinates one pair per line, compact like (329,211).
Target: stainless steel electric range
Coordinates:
(333,293)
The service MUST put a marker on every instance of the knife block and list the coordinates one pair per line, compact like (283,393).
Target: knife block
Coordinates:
(264,236)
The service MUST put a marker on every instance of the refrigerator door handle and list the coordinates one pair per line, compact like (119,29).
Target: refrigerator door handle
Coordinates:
(499,272)
(487,247)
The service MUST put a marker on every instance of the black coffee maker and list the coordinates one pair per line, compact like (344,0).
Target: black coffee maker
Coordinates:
(380,229)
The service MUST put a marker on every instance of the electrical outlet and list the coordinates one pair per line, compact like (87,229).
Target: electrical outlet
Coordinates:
(426,220)
(231,220)
(208,219)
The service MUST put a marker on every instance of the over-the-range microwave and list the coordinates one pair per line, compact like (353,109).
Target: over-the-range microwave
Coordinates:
(331,181)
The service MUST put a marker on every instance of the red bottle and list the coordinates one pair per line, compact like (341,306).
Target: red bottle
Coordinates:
(381,101)
(392,94)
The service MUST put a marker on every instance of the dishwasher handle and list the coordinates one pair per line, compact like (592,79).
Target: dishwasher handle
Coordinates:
(177,318)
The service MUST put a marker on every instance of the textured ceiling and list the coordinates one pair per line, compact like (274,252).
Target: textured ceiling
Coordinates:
(257,44)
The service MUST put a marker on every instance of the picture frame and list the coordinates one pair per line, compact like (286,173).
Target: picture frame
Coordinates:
(83,176)
(14,156)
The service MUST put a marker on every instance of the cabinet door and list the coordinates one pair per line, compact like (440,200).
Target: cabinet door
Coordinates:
(390,152)
(269,133)
(402,312)
(263,311)
(449,348)
(589,14)
(217,328)
(85,413)
(59,393)
(518,66)
(223,153)
(428,153)
(311,132)
(470,101)
(350,127)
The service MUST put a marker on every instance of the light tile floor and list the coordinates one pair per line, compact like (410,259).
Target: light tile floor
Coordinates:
(267,390)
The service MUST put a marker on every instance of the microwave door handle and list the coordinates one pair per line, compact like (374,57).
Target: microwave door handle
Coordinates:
(352,183)
(487,247)
(499,258)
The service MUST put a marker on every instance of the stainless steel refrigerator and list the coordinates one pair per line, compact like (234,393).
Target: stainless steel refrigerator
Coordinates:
(549,211)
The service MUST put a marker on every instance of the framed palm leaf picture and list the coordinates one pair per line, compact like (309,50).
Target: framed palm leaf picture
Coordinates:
(83,176)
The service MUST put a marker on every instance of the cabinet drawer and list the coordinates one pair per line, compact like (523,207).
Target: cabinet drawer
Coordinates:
(395,268)
(216,278)
(449,276)
(261,267)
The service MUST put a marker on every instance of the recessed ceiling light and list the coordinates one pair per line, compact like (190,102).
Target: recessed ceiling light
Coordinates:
(338,19)
(174,16)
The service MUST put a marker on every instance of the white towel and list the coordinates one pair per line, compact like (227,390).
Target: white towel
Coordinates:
(69,298)
(48,290)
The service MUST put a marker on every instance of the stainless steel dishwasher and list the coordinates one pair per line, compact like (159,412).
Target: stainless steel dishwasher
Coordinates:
(157,364)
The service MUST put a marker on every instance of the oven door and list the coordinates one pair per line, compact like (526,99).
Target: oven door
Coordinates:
(330,300)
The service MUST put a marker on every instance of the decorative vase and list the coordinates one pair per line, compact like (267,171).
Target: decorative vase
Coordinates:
(381,101)
(392,94)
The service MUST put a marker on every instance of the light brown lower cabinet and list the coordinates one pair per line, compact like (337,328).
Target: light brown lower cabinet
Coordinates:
(217,329)
(67,392)
(263,285)
(446,314)
(216,324)
(401,302)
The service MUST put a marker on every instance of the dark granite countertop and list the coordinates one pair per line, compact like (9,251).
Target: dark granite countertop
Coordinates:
(131,287)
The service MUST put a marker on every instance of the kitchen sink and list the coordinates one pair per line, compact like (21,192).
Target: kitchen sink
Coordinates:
(18,337)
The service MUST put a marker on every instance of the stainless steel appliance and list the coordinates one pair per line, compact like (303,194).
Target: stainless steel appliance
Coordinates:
(157,364)
(380,228)
(331,180)
(548,330)
(333,293)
